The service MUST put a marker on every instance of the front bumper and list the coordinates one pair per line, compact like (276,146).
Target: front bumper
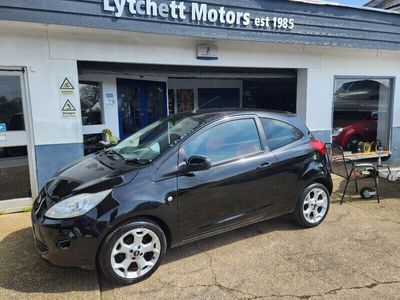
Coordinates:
(70,242)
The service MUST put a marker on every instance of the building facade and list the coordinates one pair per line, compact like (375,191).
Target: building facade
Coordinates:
(71,69)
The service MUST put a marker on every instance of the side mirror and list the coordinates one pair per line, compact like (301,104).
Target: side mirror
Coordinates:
(198,163)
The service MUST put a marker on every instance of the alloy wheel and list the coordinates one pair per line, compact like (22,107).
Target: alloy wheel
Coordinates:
(315,205)
(135,253)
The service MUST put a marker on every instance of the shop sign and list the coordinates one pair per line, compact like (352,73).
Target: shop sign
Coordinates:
(196,13)
(207,52)
(3,127)
(109,98)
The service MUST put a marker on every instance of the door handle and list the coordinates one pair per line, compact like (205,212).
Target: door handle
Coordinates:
(264,165)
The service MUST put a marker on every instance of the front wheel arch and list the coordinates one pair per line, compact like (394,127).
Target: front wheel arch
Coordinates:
(163,225)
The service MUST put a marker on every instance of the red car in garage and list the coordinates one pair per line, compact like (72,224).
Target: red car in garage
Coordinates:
(351,128)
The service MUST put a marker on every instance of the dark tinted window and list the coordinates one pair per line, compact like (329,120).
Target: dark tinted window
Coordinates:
(219,97)
(11,103)
(226,141)
(91,143)
(279,133)
(91,104)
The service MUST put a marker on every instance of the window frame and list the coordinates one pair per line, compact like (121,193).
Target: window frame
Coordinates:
(102,104)
(264,147)
(287,123)
(392,80)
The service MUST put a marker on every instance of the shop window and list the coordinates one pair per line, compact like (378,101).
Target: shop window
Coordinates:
(185,100)
(91,143)
(270,93)
(219,98)
(11,113)
(279,133)
(91,103)
(361,114)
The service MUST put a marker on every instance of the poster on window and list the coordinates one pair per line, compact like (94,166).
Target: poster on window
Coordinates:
(185,100)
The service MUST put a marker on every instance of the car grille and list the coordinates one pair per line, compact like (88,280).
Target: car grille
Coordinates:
(41,246)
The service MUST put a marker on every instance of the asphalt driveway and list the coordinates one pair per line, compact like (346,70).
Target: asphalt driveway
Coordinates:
(353,254)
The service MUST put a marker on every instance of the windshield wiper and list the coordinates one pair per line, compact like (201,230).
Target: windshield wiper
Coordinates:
(112,153)
(136,161)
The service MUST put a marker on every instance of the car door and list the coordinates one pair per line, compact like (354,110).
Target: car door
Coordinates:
(293,153)
(240,185)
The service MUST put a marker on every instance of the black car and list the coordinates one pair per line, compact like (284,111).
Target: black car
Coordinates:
(178,180)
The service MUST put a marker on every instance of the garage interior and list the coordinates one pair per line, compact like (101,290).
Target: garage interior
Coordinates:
(155,91)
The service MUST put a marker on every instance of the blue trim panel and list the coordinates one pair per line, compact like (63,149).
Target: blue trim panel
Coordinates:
(51,158)
(326,25)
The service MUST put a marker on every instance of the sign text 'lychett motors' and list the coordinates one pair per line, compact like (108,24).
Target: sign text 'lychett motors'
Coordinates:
(196,12)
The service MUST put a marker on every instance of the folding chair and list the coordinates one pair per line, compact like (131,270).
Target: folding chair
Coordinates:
(348,169)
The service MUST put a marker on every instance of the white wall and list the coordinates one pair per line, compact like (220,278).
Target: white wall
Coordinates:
(320,64)
(55,54)
(30,48)
(302,88)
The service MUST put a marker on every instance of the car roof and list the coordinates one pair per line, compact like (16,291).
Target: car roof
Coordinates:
(209,115)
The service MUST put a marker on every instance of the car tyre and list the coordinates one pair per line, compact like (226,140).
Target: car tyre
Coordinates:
(352,144)
(132,252)
(312,206)
(367,193)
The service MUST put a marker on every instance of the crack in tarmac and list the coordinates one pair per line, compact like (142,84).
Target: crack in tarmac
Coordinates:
(250,296)
(335,291)
(215,283)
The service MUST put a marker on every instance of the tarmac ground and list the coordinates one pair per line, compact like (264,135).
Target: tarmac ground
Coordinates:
(353,254)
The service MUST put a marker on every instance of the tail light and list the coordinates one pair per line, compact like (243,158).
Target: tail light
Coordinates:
(319,146)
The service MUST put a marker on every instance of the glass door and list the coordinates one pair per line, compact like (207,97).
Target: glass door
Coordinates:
(15,179)
(140,103)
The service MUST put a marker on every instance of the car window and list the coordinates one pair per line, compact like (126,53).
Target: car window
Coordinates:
(155,139)
(279,133)
(226,141)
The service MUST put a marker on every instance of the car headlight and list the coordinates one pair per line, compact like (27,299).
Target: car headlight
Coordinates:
(337,131)
(76,206)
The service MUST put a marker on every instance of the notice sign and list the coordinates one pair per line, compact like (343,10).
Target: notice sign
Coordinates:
(66,87)
(207,52)
(68,110)
(67,92)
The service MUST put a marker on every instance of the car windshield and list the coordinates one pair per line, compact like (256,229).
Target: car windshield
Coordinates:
(153,140)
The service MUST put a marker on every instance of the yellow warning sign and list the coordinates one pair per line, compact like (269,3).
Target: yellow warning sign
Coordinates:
(68,110)
(66,85)
(68,106)
(66,88)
